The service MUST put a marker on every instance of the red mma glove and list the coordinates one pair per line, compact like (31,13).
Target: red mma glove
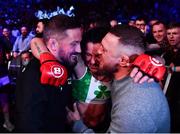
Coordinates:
(150,66)
(52,72)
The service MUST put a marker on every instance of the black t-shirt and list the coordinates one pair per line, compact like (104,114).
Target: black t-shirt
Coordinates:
(7,43)
(40,108)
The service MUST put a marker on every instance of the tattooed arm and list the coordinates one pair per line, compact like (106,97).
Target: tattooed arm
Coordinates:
(38,47)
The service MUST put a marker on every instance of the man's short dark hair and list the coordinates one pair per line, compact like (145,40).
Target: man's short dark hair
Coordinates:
(26,52)
(141,19)
(129,36)
(173,25)
(59,24)
(44,21)
(158,23)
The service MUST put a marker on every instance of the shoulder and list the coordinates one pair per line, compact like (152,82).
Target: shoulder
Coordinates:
(37,40)
(31,35)
(138,108)
(147,99)
(141,97)
(18,38)
(146,85)
(147,92)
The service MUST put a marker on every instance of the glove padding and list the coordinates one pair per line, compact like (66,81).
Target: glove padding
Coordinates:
(52,72)
(150,66)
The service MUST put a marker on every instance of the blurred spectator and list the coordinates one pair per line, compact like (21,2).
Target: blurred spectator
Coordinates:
(18,64)
(131,23)
(40,27)
(38,37)
(22,42)
(4,81)
(7,41)
(26,56)
(172,58)
(173,35)
(4,99)
(161,44)
(141,24)
(159,32)
(113,22)
(149,36)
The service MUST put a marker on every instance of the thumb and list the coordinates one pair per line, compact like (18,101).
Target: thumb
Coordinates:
(75,107)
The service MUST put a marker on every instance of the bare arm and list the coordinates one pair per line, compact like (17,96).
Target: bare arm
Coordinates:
(38,47)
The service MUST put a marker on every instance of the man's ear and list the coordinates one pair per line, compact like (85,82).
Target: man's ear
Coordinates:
(53,44)
(124,61)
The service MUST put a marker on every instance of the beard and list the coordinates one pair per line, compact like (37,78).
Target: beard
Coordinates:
(102,77)
(39,35)
(109,70)
(105,74)
(70,62)
(70,66)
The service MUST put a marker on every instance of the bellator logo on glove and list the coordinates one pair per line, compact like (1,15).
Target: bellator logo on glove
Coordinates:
(52,72)
(155,62)
(57,71)
(150,66)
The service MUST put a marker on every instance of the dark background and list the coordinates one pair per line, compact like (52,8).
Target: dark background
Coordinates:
(18,12)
